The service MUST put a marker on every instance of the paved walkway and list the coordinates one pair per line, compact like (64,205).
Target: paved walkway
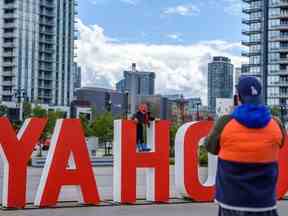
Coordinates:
(105,186)
(104,180)
(195,209)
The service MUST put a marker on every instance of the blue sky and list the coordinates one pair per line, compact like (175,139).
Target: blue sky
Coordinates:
(176,39)
(164,21)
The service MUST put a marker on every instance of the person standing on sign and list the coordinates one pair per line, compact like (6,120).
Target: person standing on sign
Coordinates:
(142,119)
(247,143)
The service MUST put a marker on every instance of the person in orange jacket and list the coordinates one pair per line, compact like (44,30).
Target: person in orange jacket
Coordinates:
(247,143)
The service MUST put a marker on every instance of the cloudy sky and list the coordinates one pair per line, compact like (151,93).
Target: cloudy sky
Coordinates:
(174,38)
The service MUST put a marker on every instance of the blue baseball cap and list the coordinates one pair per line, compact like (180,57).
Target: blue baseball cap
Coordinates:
(249,89)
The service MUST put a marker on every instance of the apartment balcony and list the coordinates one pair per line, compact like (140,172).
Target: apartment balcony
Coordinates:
(280,72)
(9,6)
(280,38)
(251,53)
(250,21)
(46,60)
(282,61)
(251,31)
(279,16)
(280,27)
(45,96)
(7,93)
(9,44)
(45,68)
(9,73)
(281,95)
(46,23)
(9,15)
(249,43)
(9,64)
(9,35)
(46,50)
(8,83)
(279,84)
(45,78)
(46,41)
(280,4)
(250,9)
(280,50)
(10,25)
(46,4)
(9,54)
(47,32)
(45,87)
(47,13)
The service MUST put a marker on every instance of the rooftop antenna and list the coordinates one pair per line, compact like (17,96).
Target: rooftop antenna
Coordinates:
(134,67)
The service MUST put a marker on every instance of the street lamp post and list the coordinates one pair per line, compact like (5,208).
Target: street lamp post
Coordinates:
(197,111)
(126,104)
(19,95)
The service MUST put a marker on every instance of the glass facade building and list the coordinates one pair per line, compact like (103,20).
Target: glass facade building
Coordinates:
(220,80)
(37,51)
(266,24)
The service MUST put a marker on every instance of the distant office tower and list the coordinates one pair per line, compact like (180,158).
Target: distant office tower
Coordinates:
(137,83)
(37,51)
(237,75)
(267,30)
(142,82)
(220,80)
(77,76)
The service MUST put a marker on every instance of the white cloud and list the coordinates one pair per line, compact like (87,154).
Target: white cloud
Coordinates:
(175,36)
(179,68)
(182,10)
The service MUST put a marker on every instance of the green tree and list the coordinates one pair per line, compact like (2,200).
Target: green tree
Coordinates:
(39,112)
(3,110)
(173,130)
(86,124)
(203,156)
(102,127)
(53,116)
(27,110)
(275,111)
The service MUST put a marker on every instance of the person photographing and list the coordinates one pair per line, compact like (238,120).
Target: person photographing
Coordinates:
(247,143)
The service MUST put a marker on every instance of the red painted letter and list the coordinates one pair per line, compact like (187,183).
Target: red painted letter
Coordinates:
(16,153)
(186,161)
(127,160)
(68,139)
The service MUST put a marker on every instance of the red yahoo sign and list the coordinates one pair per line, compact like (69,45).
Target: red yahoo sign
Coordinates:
(68,139)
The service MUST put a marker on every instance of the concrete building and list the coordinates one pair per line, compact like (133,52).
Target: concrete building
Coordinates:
(266,25)
(237,75)
(182,109)
(100,99)
(220,80)
(37,51)
(157,104)
(136,83)
(144,82)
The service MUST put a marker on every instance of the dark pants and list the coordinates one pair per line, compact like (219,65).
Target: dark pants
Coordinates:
(226,212)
